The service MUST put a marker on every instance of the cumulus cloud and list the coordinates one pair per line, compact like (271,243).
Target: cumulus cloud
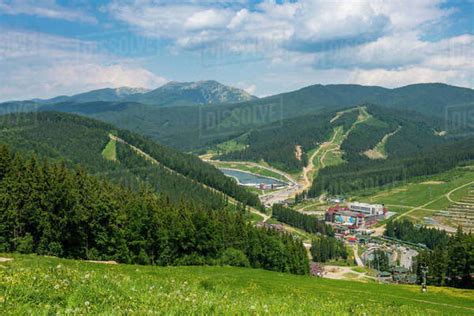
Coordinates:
(40,65)
(44,8)
(301,42)
(408,75)
(306,25)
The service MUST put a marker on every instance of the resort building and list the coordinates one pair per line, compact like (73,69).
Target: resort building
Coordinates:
(355,215)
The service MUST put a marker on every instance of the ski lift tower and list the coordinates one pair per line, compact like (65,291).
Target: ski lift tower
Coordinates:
(424,271)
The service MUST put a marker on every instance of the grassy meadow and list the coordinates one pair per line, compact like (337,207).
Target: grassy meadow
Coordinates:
(110,151)
(44,285)
(429,192)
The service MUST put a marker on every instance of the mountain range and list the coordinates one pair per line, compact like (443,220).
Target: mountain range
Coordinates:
(187,127)
(172,93)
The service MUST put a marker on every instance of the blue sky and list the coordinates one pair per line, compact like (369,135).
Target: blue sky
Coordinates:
(50,48)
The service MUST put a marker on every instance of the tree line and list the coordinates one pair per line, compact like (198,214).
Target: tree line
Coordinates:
(48,209)
(368,174)
(407,231)
(324,248)
(451,264)
(308,223)
(450,258)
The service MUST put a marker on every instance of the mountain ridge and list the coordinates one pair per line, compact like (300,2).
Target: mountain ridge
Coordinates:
(181,126)
(171,93)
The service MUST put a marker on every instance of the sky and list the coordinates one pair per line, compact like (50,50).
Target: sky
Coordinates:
(50,48)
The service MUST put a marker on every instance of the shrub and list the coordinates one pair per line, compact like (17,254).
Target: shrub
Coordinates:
(234,257)
(25,244)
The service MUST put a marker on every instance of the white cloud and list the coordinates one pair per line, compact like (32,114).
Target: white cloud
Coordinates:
(310,41)
(39,65)
(249,88)
(44,8)
(298,25)
(409,75)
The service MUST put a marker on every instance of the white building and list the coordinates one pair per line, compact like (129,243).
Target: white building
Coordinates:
(369,209)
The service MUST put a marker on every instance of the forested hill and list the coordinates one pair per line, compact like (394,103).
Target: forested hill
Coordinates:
(187,128)
(408,133)
(82,141)
(50,210)
(357,148)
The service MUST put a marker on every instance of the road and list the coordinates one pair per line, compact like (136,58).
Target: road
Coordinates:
(406,257)
(274,197)
(358,260)
(308,171)
(282,195)
(448,195)
(379,230)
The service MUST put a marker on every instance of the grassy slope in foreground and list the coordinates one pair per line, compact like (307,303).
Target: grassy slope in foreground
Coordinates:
(31,284)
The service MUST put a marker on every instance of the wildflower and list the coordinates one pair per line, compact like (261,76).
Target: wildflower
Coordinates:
(58,266)
(87,303)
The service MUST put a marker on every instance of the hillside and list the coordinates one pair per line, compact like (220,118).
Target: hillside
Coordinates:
(48,209)
(276,144)
(351,149)
(189,127)
(31,283)
(81,141)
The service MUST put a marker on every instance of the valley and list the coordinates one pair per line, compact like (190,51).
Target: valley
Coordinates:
(296,157)
(274,187)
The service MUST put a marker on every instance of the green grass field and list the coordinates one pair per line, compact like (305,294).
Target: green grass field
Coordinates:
(429,191)
(230,146)
(110,151)
(47,286)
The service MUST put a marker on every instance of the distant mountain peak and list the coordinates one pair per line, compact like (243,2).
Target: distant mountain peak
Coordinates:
(195,92)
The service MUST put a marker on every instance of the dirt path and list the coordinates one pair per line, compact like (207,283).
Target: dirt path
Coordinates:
(378,152)
(407,206)
(344,273)
(310,168)
(448,195)
(359,261)
(339,114)
(298,152)
(154,161)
